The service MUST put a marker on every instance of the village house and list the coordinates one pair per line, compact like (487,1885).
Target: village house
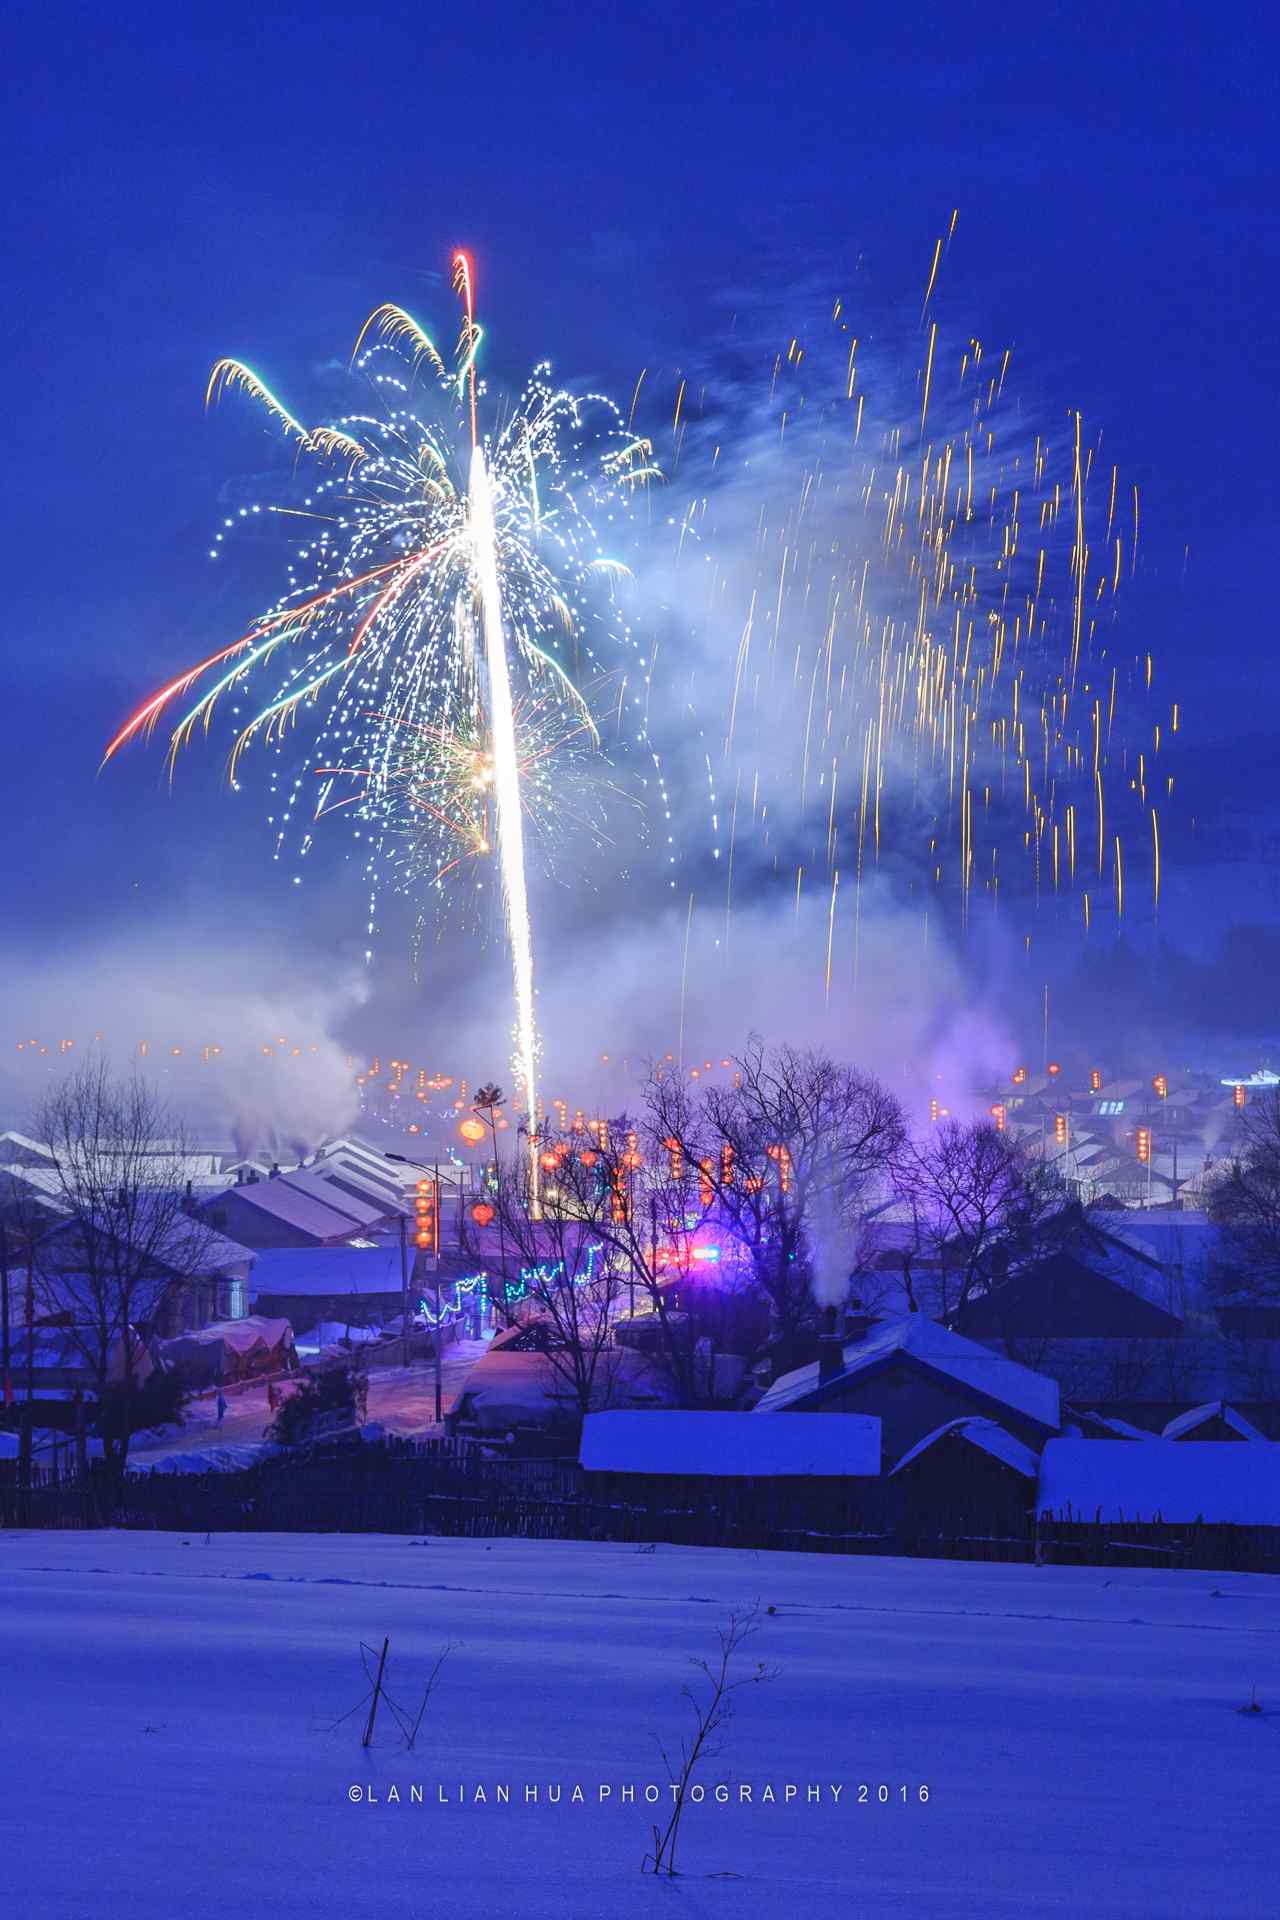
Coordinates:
(768,1481)
(1086,1282)
(1194,1501)
(916,1376)
(971,1478)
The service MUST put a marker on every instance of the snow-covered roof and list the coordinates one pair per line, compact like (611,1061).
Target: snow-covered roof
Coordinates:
(308,1212)
(1197,1417)
(361,1212)
(809,1444)
(313,1272)
(38,1179)
(1116,1428)
(244,1336)
(1172,1480)
(937,1350)
(373,1181)
(989,1435)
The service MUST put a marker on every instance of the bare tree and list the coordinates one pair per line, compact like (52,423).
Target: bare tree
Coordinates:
(124,1241)
(610,1243)
(786,1157)
(712,1707)
(976,1193)
(1242,1198)
(569,1291)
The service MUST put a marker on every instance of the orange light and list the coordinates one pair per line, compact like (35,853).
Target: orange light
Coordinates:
(1095,1081)
(1144,1143)
(1054,1069)
(1160,1087)
(1060,1128)
(482,1213)
(998,1114)
(472,1130)
(1239,1096)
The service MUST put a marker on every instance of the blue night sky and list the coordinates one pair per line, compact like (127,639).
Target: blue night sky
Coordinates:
(189,181)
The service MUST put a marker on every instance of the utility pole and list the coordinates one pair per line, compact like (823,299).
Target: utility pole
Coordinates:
(24,1453)
(436,1342)
(404,1293)
(6,1385)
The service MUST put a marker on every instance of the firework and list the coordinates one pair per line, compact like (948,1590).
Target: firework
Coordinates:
(923,590)
(448,603)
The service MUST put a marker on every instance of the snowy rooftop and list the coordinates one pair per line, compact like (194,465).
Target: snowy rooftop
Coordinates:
(1197,1417)
(362,1209)
(305,1210)
(316,1271)
(246,1336)
(1172,1480)
(989,1436)
(937,1350)
(809,1444)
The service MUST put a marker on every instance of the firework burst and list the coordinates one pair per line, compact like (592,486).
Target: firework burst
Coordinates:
(449,604)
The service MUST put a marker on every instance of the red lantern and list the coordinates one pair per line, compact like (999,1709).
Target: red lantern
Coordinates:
(472,1131)
(482,1213)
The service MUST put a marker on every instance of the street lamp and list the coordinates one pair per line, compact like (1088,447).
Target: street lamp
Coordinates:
(405,1161)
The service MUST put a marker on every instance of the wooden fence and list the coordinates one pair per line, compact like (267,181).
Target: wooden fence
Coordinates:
(449,1487)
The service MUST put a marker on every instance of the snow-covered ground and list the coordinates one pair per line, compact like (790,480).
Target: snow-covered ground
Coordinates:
(169,1706)
(401,1399)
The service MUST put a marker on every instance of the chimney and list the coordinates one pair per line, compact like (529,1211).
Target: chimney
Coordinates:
(830,1349)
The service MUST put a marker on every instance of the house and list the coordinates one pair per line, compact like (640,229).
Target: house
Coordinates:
(1104,1482)
(968,1477)
(735,1479)
(1213,1421)
(61,1360)
(300,1209)
(1087,1283)
(343,1285)
(915,1376)
(231,1350)
(195,1275)
(522,1389)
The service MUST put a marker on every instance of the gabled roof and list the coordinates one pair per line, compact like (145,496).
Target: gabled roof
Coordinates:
(1178,1481)
(1112,1428)
(308,1212)
(934,1349)
(1198,1417)
(721,1444)
(361,1213)
(987,1435)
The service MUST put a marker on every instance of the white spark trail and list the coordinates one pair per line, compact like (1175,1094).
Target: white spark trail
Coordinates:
(506,785)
